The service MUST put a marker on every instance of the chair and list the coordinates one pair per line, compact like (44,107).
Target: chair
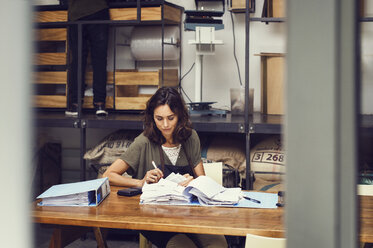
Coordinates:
(214,171)
(255,241)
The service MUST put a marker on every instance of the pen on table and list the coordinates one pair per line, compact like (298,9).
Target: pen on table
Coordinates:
(154,165)
(251,199)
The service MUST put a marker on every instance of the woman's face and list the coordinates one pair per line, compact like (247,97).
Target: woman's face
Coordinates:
(165,119)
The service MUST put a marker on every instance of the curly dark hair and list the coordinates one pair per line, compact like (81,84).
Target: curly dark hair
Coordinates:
(171,97)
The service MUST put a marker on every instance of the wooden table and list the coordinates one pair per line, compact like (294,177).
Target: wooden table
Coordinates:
(126,213)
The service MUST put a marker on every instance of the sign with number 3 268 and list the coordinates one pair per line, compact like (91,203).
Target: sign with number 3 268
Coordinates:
(269,157)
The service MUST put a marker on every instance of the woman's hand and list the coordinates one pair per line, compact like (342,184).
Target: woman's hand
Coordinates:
(188,179)
(153,176)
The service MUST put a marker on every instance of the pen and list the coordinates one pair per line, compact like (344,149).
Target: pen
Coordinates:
(154,165)
(251,199)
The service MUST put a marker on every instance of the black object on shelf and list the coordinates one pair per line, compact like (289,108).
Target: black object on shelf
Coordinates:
(204,13)
(204,16)
(200,105)
(207,20)
(204,108)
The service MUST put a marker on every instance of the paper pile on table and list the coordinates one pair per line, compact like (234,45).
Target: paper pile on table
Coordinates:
(210,192)
(164,192)
(168,191)
(177,178)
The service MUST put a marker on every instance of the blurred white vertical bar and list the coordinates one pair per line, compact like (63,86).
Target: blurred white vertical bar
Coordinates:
(321,115)
(15,124)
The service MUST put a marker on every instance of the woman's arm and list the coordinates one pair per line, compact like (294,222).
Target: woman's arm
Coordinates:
(198,171)
(116,170)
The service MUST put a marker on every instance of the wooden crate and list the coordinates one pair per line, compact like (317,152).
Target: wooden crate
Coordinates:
(239,5)
(54,39)
(50,59)
(51,34)
(51,16)
(171,14)
(272,83)
(127,86)
(275,8)
(50,86)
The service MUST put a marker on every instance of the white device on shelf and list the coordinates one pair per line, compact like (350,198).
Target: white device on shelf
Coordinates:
(205,45)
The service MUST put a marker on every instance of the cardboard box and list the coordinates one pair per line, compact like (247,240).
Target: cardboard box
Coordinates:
(272,83)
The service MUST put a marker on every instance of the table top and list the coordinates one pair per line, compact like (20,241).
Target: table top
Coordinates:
(126,213)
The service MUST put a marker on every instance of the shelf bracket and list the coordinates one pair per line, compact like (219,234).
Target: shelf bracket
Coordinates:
(80,124)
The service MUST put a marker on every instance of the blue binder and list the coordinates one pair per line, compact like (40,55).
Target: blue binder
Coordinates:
(86,193)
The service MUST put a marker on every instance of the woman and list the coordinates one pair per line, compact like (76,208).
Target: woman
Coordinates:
(174,146)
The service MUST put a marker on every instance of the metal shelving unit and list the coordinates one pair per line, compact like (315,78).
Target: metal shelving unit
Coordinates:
(257,123)
(57,118)
(272,124)
(245,125)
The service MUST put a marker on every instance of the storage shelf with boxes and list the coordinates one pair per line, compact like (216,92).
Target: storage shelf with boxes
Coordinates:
(128,85)
(50,59)
(123,86)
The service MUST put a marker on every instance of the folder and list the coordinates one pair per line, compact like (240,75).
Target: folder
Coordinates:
(85,193)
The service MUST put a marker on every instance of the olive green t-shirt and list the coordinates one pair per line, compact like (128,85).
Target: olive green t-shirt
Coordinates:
(142,152)
(81,8)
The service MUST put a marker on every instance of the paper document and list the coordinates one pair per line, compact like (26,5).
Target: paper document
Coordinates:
(205,189)
(177,178)
(267,200)
(86,193)
(209,192)
(164,192)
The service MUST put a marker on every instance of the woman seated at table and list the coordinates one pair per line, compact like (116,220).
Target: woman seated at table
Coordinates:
(169,140)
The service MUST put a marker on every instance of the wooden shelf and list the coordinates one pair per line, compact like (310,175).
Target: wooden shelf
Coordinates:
(151,11)
(259,123)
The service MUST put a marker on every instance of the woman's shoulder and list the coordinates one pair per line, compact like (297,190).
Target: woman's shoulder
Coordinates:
(141,139)
(193,136)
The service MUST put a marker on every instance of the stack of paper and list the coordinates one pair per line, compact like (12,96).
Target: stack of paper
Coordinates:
(80,199)
(87,193)
(164,192)
(210,192)
(177,178)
